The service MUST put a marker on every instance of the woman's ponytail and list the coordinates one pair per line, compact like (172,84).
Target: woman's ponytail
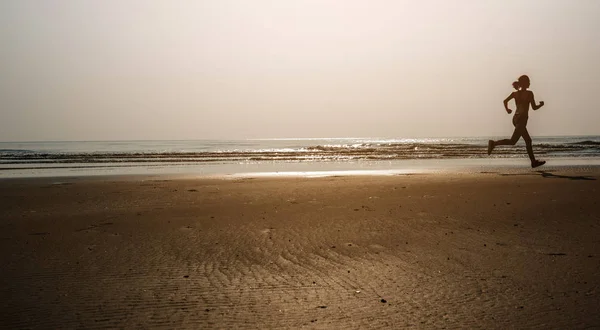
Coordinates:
(516,85)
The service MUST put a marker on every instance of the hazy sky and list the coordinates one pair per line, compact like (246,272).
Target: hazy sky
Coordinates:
(141,69)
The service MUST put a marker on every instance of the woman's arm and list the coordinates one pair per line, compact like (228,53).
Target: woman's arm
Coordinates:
(510,97)
(533,105)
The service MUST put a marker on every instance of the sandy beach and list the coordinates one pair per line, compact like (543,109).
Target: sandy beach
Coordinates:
(518,249)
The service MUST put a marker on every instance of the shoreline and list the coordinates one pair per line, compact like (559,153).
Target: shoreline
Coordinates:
(260,169)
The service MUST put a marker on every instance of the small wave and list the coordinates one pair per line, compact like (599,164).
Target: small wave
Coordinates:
(327,148)
(16,151)
(587,143)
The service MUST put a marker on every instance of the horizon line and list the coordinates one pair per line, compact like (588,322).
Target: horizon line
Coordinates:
(284,138)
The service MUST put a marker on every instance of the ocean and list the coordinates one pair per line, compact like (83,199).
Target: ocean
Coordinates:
(207,157)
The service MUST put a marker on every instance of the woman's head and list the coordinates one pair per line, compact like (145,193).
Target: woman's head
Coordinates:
(523,82)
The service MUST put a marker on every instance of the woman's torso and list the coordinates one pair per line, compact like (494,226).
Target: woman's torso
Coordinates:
(522,99)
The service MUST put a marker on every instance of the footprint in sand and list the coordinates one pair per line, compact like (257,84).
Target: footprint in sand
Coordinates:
(267,230)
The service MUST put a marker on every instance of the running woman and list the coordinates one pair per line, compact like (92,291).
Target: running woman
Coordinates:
(523,98)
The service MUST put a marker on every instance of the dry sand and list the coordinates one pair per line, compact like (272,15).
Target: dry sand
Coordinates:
(488,250)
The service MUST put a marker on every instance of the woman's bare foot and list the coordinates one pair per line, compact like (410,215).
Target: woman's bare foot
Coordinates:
(537,163)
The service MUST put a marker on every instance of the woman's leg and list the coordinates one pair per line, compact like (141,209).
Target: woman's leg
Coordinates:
(534,163)
(513,139)
(529,146)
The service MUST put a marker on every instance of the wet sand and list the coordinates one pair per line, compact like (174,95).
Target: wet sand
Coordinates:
(487,250)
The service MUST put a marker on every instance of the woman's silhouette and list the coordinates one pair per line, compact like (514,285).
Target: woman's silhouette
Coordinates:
(523,98)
